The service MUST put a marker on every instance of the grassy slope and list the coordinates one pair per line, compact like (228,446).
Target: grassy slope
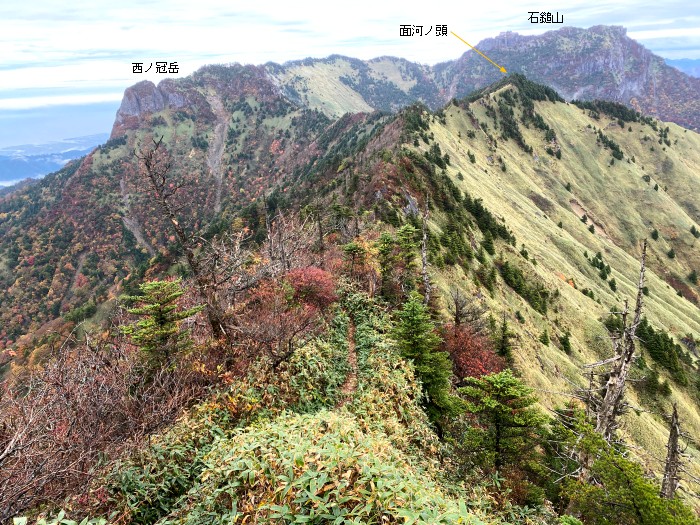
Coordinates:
(389,69)
(321,88)
(620,200)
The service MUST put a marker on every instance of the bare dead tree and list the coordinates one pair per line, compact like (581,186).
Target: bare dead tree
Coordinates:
(467,312)
(611,404)
(290,239)
(230,266)
(424,254)
(155,168)
(88,401)
(459,305)
(605,404)
(672,465)
(315,212)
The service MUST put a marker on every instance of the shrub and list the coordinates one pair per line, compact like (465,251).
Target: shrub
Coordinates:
(320,468)
(472,354)
(312,285)
(270,322)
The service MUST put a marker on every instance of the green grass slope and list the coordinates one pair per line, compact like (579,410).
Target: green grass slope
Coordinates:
(527,190)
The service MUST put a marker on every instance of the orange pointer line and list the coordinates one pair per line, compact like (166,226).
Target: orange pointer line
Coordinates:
(503,70)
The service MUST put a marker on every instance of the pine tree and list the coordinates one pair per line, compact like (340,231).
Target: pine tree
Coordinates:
(508,419)
(416,339)
(158,333)
(503,345)
(565,341)
(487,243)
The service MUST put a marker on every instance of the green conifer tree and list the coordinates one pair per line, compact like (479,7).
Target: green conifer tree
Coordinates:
(416,339)
(502,340)
(157,332)
(565,341)
(487,243)
(509,422)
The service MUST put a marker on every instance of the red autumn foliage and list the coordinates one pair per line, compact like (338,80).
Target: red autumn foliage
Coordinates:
(80,280)
(313,286)
(472,354)
(269,323)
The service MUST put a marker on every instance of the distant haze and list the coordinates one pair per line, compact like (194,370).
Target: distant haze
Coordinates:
(18,163)
(688,66)
(51,123)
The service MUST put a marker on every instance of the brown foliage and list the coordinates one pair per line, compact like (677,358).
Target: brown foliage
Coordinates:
(472,353)
(270,321)
(89,399)
(681,287)
(313,286)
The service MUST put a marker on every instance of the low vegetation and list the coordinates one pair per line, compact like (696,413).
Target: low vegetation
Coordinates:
(366,345)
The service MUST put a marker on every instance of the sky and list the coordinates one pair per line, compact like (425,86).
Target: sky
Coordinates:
(77,57)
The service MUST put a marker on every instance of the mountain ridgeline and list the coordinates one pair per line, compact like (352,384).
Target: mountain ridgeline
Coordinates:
(485,194)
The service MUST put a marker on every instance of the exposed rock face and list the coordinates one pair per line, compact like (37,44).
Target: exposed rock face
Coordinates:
(145,98)
(229,82)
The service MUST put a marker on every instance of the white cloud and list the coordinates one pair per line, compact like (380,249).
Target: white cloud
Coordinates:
(87,45)
(666,32)
(58,100)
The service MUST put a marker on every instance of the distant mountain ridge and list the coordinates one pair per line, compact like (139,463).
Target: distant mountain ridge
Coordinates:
(36,160)
(686,65)
(601,62)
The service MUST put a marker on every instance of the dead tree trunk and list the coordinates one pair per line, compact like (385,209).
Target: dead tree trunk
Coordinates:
(669,485)
(612,405)
(424,254)
(321,244)
(155,169)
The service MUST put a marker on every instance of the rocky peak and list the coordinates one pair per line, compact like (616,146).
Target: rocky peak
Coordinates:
(145,98)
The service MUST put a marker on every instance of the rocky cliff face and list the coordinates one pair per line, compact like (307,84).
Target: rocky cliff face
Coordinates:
(145,98)
(190,94)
